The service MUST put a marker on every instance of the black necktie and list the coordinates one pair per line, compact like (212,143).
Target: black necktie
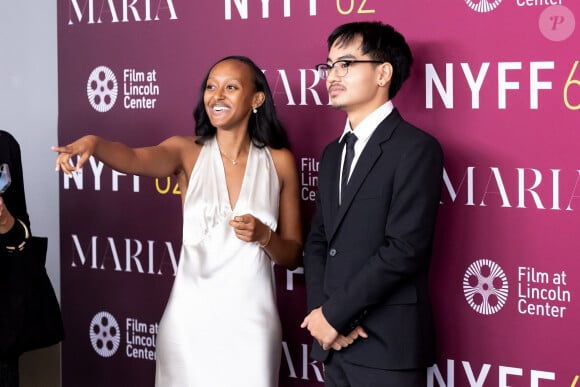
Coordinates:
(349,140)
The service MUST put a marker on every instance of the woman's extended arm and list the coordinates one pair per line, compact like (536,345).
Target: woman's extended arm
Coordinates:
(160,160)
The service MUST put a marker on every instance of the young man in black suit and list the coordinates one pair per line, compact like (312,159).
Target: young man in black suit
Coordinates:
(368,252)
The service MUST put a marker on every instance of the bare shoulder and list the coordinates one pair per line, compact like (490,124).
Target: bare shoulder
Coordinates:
(284,162)
(186,147)
(182,142)
(282,157)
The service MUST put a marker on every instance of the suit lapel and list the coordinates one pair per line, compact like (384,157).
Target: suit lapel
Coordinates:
(369,156)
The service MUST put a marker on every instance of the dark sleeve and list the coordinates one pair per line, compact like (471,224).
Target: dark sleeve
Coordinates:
(315,260)
(315,251)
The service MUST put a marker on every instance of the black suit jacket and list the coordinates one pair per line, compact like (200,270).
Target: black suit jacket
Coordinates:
(366,261)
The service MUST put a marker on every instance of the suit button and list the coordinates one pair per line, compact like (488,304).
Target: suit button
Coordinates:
(332,252)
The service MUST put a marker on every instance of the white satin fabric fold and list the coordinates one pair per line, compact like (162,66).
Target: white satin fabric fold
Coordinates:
(221,326)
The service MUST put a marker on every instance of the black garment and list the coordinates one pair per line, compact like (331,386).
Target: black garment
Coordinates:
(339,372)
(9,373)
(14,198)
(366,261)
(15,201)
(30,315)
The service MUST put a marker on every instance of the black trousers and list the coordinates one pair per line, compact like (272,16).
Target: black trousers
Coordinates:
(340,373)
(9,373)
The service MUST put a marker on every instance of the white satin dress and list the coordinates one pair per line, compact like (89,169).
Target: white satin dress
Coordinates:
(221,326)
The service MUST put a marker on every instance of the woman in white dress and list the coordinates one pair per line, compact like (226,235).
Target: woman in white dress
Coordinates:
(241,209)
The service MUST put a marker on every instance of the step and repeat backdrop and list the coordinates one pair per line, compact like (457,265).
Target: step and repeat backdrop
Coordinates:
(497,82)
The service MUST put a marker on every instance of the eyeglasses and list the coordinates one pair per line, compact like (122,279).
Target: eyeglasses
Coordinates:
(340,67)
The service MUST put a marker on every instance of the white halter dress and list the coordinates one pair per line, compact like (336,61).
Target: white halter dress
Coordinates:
(221,326)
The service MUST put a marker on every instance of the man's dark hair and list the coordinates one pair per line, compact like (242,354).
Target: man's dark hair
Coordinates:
(382,42)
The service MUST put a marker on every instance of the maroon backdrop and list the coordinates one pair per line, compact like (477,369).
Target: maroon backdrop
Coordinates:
(497,82)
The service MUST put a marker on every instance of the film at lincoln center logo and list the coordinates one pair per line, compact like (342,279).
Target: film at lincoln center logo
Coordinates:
(105,334)
(485,286)
(483,6)
(102,89)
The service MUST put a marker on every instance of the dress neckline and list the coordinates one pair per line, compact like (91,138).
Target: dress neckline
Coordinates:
(224,186)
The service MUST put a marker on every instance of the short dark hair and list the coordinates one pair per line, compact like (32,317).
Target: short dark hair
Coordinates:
(382,42)
(265,129)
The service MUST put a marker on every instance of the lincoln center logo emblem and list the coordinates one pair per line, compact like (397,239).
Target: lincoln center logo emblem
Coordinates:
(105,334)
(102,89)
(485,286)
(483,5)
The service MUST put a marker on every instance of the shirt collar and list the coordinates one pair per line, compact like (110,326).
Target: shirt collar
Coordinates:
(370,123)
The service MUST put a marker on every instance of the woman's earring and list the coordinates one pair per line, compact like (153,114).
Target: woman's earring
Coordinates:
(254,110)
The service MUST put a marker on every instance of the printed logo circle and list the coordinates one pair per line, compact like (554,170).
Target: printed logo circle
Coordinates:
(483,6)
(102,89)
(557,23)
(485,287)
(105,334)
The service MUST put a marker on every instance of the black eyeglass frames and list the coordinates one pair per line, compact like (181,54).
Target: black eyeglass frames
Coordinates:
(340,67)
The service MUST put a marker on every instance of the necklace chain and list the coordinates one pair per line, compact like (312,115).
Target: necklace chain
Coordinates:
(234,162)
